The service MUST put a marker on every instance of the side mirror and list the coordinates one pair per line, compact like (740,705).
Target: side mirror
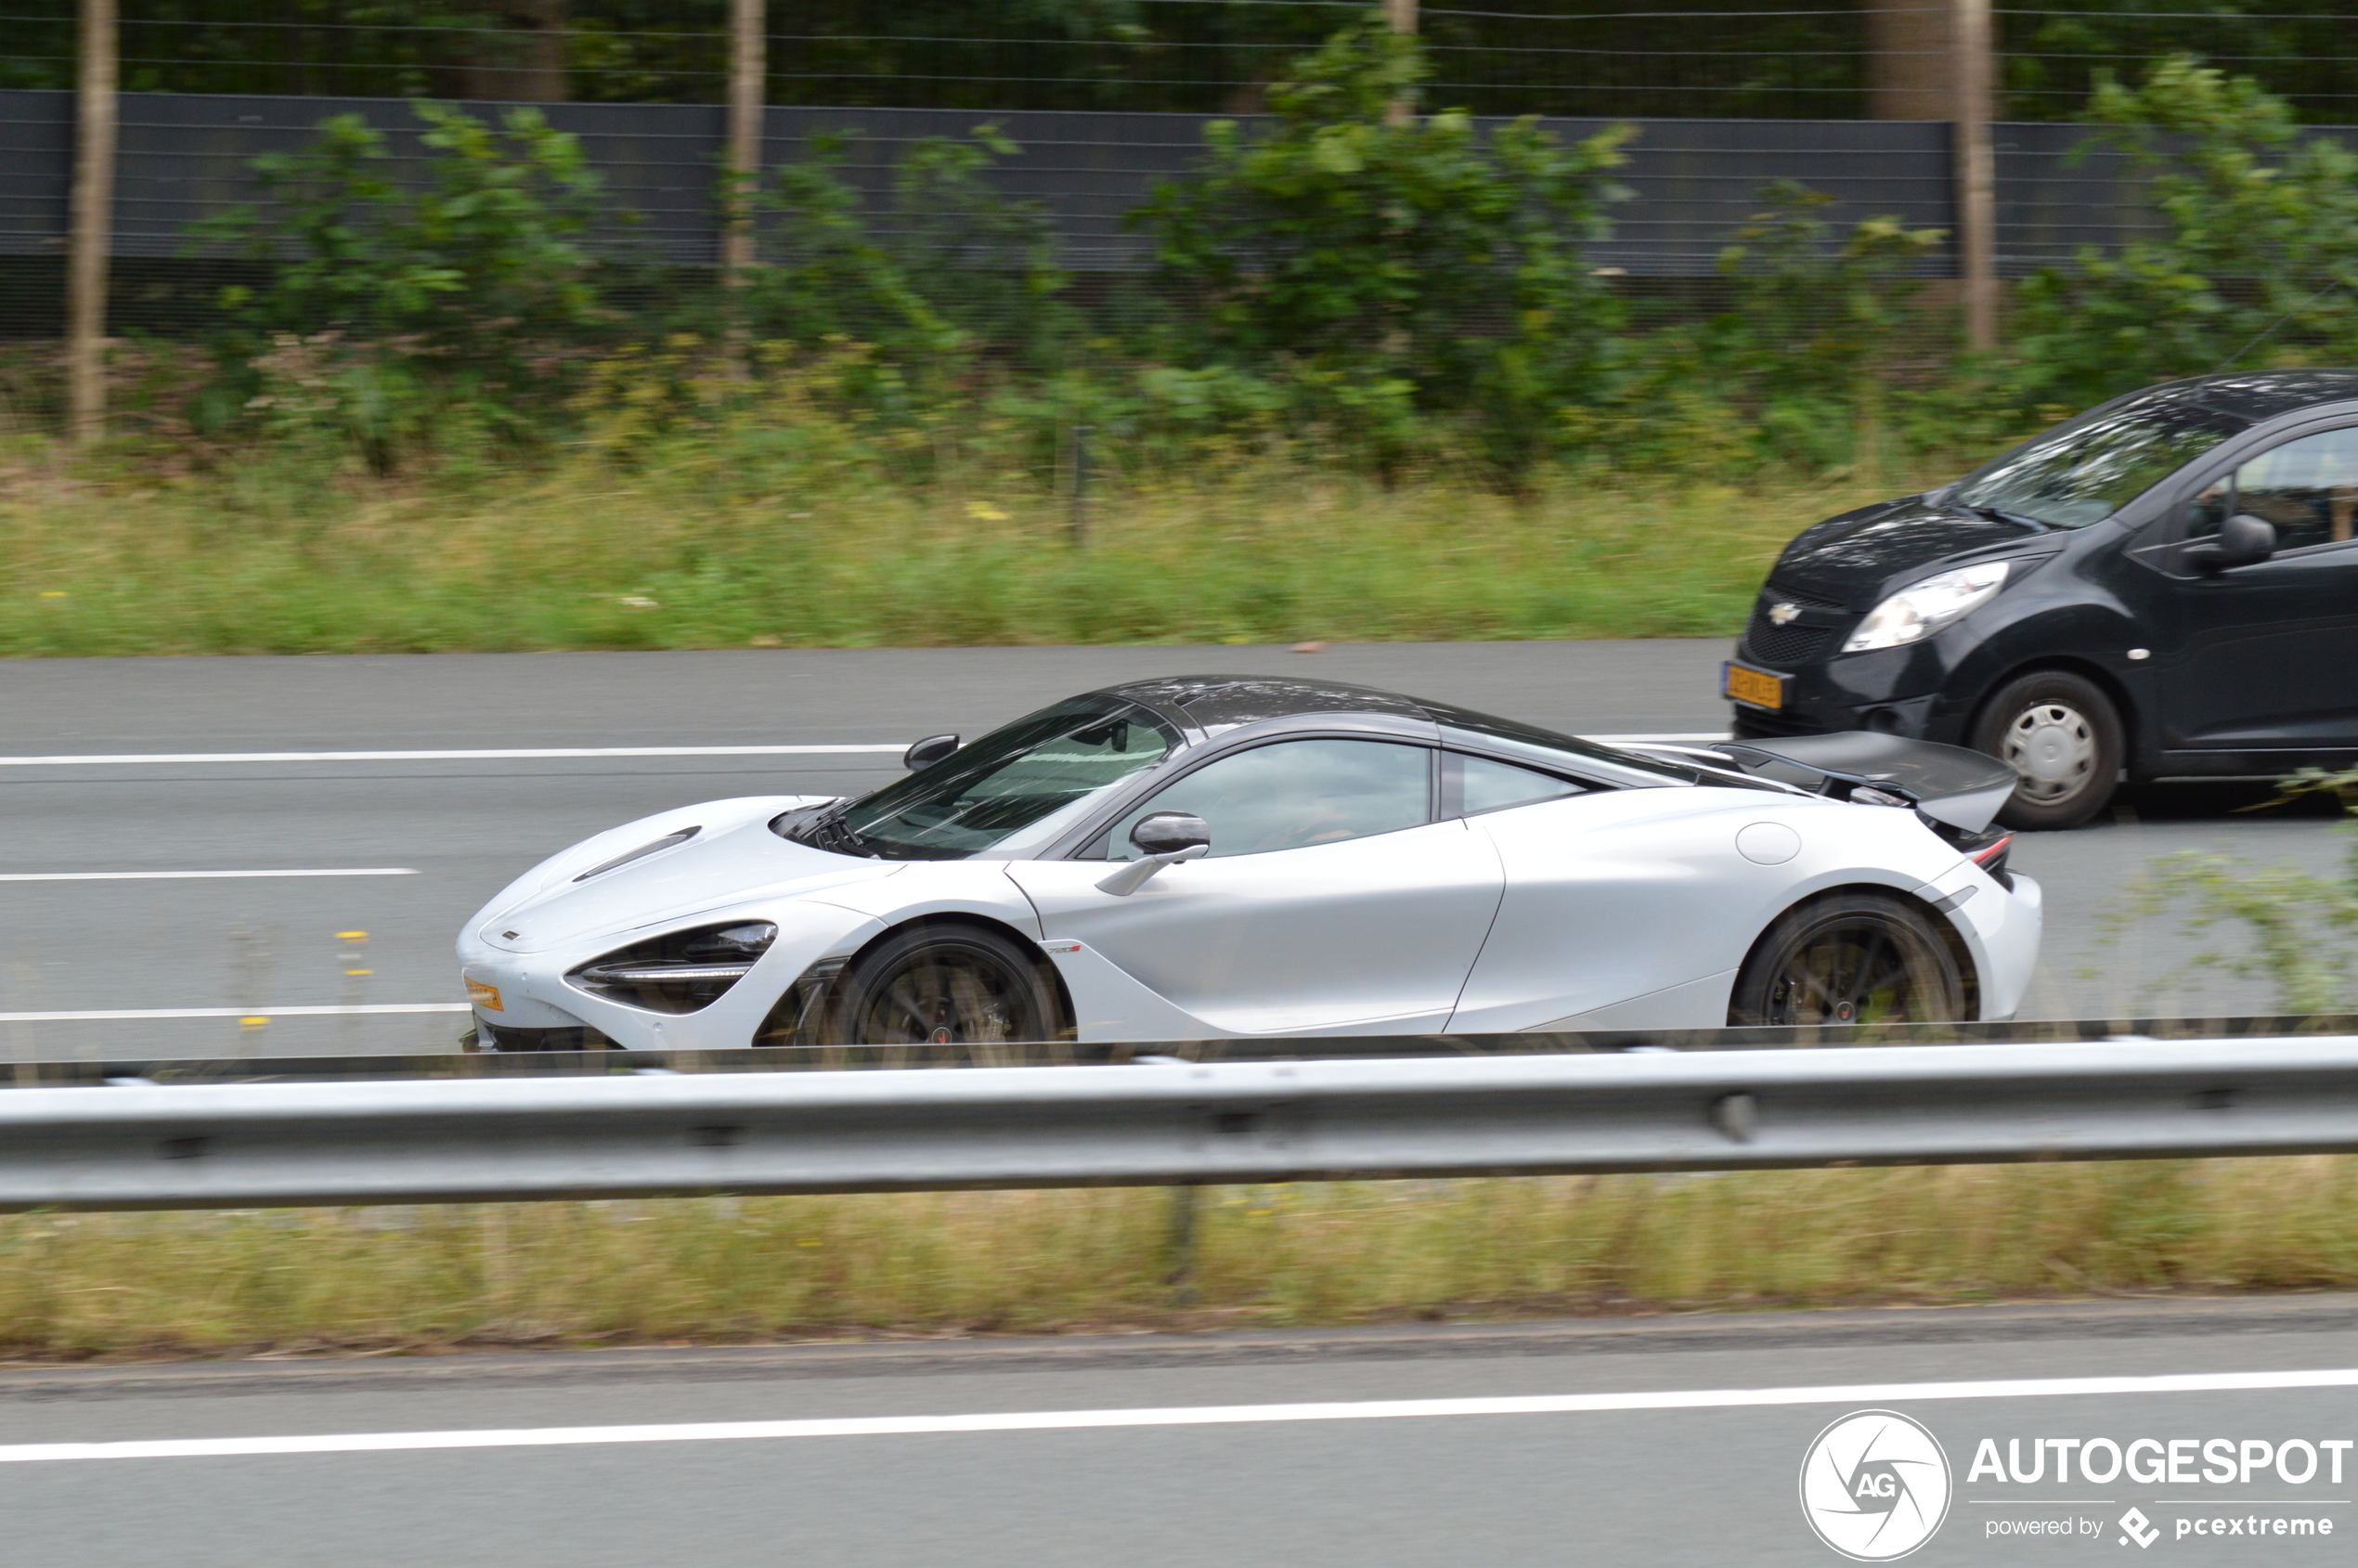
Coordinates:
(927,752)
(2242,541)
(1164,838)
(1170,833)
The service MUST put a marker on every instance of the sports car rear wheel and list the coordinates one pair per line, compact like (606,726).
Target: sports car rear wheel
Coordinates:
(1849,958)
(945,985)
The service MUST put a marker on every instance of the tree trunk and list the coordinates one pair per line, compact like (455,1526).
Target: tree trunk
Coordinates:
(526,66)
(1910,74)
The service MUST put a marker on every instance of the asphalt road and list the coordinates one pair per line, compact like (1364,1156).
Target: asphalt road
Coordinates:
(455,829)
(1670,1442)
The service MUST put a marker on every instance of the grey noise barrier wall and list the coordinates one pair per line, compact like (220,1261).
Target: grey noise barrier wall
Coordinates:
(135,1145)
(189,156)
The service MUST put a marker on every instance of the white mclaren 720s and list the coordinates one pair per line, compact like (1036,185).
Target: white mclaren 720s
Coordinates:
(1209,857)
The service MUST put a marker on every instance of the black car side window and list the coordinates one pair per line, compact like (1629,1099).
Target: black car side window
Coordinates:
(2306,488)
(1294,794)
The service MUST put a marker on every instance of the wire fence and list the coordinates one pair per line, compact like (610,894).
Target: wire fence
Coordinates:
(1106,97)
(1554,57)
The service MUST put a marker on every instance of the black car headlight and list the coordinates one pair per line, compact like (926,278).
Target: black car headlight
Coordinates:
(679,972)
(1916,611)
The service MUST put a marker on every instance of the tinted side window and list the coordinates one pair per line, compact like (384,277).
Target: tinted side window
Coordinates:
(2308,488)
(1475,784)
(1294,794)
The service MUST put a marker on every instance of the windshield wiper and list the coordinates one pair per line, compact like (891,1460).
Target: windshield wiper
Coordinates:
(826,831)
(1998,515)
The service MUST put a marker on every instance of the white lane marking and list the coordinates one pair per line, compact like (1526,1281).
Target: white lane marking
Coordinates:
(129,759)
(194,875)
(360,1010)
(1207,1415)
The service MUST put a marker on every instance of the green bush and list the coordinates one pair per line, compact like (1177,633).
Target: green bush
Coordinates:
(947,264)
(1381,266)
(2258,248)
(386,305)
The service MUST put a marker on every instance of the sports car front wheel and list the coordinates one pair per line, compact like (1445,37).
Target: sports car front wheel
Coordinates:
(1849,958)
(945,985)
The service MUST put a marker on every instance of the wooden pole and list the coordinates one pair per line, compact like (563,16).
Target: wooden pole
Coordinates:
(93,231)
(1976,173)
(748,68)
(1401,15)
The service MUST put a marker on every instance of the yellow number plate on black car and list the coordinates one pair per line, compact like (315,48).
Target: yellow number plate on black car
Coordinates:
(1755,686)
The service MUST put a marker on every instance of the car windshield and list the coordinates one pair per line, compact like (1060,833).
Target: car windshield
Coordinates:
(1011,791)
(2085,470)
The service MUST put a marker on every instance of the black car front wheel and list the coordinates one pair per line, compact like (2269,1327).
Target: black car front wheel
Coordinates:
(1849,958)
(2062,733)
(945,985)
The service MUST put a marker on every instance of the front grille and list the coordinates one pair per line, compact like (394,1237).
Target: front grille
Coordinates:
(1777,645)
(1797,639)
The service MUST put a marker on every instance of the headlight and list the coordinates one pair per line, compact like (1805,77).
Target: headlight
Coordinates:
(1916,612)
(679,973)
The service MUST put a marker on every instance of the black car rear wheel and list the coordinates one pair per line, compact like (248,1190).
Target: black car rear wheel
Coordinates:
(1849,958)
(945,985)
(2062,735)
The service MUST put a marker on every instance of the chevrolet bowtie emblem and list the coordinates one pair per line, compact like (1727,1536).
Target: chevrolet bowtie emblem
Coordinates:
(1783,613)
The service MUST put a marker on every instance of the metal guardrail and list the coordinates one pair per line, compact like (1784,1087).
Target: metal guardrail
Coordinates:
(837,1058)
(1167,1121)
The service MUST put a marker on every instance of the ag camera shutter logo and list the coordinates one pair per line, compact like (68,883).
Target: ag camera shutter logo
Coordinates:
(1874,1485)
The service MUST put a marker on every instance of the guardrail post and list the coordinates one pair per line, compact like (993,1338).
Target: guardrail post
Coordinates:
(1080,483)
(1179,1248)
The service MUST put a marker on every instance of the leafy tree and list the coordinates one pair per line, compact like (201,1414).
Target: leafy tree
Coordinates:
(2257,254)
(1384,261)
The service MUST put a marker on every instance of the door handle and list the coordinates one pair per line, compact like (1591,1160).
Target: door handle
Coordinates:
(1134,876)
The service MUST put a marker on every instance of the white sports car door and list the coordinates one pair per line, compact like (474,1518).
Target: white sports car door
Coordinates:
(1328,900)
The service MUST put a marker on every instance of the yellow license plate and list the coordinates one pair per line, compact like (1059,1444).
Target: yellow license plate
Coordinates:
(1757,687)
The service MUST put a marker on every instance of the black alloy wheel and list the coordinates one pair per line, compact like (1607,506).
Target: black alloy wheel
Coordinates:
(1849,958)
(945,985)
(2063,734)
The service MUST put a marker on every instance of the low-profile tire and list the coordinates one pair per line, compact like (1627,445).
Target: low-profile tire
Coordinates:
(1849,958)
(943,985)
(2063,734)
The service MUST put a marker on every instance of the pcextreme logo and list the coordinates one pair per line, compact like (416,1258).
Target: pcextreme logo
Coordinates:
(1874,1485)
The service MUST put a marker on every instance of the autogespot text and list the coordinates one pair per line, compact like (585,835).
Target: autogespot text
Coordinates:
(2048,1463)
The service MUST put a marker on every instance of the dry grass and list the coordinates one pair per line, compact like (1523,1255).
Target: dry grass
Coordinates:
(725,1270)
(709,547)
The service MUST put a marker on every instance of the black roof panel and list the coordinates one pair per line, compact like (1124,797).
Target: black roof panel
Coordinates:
(1218,700)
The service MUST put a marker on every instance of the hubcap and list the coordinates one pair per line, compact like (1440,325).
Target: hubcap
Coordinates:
(2053,747)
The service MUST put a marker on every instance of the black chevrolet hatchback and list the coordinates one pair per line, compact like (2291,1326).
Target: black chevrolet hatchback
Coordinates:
(2165,587)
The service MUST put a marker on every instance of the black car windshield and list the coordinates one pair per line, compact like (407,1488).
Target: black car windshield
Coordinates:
(2085,470)
(1013,790)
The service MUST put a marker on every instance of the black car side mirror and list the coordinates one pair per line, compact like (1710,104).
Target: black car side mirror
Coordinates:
(927,752)
(1170,833)
(2242,541)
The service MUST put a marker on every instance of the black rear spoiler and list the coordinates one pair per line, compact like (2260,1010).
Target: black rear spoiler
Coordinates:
(1948,784)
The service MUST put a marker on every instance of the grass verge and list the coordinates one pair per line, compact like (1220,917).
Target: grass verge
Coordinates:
(740,1270)
(698,552)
